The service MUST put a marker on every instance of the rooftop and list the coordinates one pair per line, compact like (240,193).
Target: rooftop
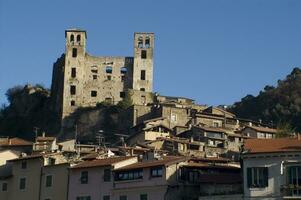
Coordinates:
(14,142)
(272,145)
(262,129)
(100,162)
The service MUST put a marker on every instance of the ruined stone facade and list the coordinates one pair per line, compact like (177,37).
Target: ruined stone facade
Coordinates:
(82,80)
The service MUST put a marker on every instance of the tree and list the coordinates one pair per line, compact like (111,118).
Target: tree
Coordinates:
(284,130)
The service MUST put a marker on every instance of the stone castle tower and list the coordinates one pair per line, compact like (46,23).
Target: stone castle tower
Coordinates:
(82,80)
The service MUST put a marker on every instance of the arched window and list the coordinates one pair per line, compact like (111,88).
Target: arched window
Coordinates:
(71,38)
(140,42)
(78,38)
(147,42)
(109,69)
(123,70)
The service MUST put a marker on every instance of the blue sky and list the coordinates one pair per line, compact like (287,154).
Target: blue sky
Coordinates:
(214,51)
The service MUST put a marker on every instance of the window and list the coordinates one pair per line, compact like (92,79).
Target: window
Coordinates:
(94,77)
(143,54)
(72,103)
(123,70)
(106,197)
(74,52)
(73,72)
(215,124)
(143,196)
(147,42)
(78,38)
(4,187)
(142,75)
(140,42)
(122,78)
(84,177)
(109,78)
(257,177)
(22,183)
(23,165)
(123,197)
(107,175)
(122,94)
(93,93)
(48,180)
(109,69)
(94,71)
(83,198)
(294,179)
(72,89)
(129,175)
(173,118)
(51,161)
(71,37)
(109,100)
(157,172)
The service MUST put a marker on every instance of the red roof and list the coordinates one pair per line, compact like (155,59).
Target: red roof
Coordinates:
(100,162)
(152,163)
(272,145)
(14,142)
(262,129)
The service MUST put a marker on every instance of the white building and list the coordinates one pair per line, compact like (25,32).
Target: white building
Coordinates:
(272,168)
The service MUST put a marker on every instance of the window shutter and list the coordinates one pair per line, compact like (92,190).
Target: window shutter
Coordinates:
(266,176)
(249,176)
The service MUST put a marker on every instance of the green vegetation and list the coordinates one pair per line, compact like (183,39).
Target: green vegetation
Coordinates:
(275,105)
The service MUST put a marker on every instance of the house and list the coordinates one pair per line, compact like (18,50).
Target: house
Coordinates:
(16,144)
(259,132)
(93,179)
(272,168)
(148,180)
(8,155)
(45,144)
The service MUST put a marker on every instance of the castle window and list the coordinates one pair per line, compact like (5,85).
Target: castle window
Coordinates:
(147,42)
(142,75)
(123,70)
(109,69)
(72,89)
(72,103)
(78,38)
(71,38)
(109,78)
(73,72)
(142,89)
(94,77)
(140,42)
(143,54)
(122,78)
(94,71)
(122,94)
(74,52)
(93,93)
(108,100)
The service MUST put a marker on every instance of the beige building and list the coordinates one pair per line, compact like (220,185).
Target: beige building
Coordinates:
(259,132)
(82,80)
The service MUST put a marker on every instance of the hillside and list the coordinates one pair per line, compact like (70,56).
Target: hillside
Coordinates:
(278,106)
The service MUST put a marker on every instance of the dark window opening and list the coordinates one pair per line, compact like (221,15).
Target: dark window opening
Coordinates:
(143,196)
(123,70)
(109,78)
(73,72)
(94,71)
(84,177)
(140,42)
(106,197)
(142,89)
(94,77)
(4,187)
(122,94)
(74,52)
(93,93)
(123,197)
(72,103)
(109,69)
(23,165)
(78,38)
(48,181)
(157,172)
(142,75)
(143,54)
(22,183)
(257,177)
(107,175)
(129,175)
(71,38)
(122,78)
(72,89)
(147,42)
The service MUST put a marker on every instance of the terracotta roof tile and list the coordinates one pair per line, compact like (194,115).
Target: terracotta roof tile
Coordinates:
(152,163)
(14,142)
(272,145)
(100,162)
(263,129)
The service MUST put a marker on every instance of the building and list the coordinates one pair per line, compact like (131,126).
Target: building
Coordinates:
(16,144)
(272,168)
(6,155)
(82,80)
(259,132)
(94,179)
(45,144)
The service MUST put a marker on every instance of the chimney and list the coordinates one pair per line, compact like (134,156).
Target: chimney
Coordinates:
(43,134)
(299,136)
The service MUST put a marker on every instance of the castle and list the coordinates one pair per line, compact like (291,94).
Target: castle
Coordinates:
(82,80)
